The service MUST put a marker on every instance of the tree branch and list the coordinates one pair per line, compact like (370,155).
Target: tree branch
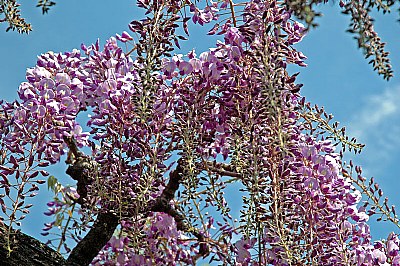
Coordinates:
(221,168)
(162,204)
(81,169)
(88,248)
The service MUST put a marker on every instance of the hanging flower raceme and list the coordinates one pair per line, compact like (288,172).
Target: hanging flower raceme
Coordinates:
(169,133)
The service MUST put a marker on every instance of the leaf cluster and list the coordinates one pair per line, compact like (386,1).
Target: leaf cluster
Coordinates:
(12,15)
(375,203)
(45,5)
(318,122)
(362,27)
(10,10)
(305,10)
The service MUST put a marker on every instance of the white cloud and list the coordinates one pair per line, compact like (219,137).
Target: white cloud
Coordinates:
(377,124)
(377,112)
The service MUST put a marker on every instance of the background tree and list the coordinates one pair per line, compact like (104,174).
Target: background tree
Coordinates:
(170,133)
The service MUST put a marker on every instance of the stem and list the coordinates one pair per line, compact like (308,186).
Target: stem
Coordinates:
(367,192)
(231,4)
(131,51)
(65,228)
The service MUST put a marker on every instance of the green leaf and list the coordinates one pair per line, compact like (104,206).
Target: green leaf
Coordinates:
(59,219)
(51,183)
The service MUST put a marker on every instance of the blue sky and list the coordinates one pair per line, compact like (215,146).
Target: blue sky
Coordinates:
(337,77)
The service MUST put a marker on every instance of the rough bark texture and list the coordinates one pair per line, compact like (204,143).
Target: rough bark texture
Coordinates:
(28,251)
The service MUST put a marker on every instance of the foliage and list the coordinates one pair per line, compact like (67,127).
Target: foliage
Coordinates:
(11,11)
(170,133)
(45,5)
(368,40)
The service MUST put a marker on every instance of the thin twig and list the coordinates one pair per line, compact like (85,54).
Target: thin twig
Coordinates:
(232,12)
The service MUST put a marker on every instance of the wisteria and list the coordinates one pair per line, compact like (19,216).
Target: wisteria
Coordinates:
(169,133)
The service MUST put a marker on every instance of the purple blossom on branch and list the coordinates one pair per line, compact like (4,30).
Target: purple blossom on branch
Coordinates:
(169,133)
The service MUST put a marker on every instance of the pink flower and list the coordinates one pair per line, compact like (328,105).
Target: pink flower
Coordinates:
(124,37)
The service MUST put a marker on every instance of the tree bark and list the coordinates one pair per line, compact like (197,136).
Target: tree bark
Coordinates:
(88,248)
(27,251)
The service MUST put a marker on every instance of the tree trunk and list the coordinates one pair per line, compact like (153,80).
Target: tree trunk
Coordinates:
(27,251)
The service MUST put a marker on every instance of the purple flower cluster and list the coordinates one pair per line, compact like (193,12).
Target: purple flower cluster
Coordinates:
(163,245)
(50,101)
(233,104)
(323,197)
(384,252)
(206,15)
(324,204)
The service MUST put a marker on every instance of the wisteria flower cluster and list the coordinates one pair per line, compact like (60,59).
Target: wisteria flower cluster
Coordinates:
(168,134)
